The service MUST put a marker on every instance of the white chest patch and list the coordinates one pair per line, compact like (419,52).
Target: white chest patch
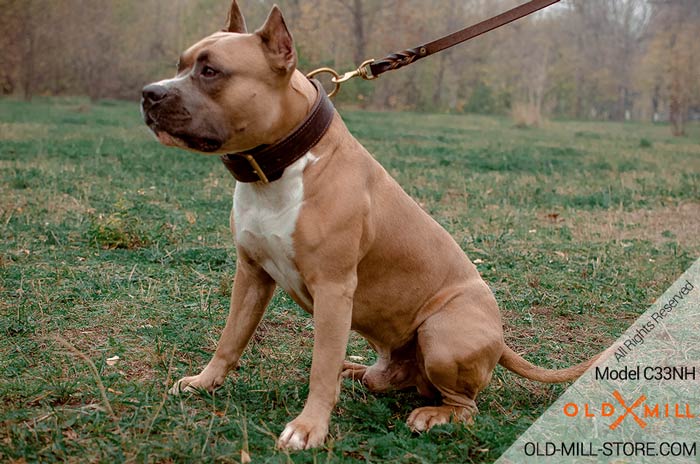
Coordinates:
(265,218)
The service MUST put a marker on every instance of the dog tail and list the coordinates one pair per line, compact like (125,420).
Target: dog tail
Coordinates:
(516,363)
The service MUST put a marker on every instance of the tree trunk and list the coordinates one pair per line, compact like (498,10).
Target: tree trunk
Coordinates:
(437,91)
(358,19)
(677,110)
(29,58)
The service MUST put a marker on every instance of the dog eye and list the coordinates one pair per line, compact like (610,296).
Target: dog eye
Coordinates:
(208,71)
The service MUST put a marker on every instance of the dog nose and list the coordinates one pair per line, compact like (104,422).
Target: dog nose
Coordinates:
(154,92)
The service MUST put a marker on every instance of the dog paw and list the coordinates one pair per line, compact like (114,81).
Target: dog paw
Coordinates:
(353,370)
(423,419)
(201,382)
(302,434)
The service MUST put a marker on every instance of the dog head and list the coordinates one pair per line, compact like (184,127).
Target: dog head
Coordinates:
(228,92)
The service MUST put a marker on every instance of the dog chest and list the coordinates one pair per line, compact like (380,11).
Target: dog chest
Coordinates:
(265,217)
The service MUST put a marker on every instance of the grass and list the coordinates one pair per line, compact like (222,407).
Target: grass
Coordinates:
(114,245)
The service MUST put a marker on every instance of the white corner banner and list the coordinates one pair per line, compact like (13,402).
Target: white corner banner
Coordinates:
(641,404)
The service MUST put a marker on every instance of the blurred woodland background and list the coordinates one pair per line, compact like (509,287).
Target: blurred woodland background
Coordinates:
(582,59)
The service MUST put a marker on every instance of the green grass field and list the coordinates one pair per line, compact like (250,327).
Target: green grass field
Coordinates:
(119,246)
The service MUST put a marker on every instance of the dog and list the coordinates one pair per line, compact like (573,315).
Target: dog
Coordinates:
(336,232)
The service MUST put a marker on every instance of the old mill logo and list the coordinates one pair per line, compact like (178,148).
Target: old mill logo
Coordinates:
(639,410)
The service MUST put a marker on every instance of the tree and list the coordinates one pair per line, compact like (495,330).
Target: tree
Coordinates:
(672,65)
(601,59)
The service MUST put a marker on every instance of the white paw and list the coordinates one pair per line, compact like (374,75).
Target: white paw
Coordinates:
(182,385)
(196,383)
(302,434)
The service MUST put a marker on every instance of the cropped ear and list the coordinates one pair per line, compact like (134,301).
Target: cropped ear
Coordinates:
(277,42)
(235,21)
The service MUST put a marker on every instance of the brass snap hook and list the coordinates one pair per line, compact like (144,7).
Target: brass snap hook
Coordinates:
(364,71)
(333,73)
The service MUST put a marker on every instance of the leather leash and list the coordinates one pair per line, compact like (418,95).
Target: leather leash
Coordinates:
(371,69)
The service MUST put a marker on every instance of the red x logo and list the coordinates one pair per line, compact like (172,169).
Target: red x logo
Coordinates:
(628,410)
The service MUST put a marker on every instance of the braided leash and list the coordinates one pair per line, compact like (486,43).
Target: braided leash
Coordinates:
(371,69)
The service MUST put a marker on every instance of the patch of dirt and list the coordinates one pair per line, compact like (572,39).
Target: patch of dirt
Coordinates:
(572,334)
(18,131)
(59,206)
(679,223)
(27,202)
(134,363)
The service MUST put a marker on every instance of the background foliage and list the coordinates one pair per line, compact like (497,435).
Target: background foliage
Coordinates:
(598,59)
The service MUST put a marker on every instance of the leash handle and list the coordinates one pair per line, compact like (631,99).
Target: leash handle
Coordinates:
(371,69)
(399,59)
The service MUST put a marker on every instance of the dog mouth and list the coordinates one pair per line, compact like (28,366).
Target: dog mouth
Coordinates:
(181,138)
(187,141)
(198,143)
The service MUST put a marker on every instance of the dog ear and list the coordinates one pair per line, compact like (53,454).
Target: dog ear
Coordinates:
(235,21)
(278,42)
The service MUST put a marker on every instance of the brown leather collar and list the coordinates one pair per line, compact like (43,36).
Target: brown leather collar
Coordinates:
(267,163)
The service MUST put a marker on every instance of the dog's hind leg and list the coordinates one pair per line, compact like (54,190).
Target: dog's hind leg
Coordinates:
(353,370)
(393,370)
(460,346)
(384,375)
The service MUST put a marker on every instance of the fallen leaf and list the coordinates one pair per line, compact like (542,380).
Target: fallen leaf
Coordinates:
(245,457)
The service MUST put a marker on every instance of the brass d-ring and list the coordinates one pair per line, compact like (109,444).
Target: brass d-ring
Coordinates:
(330,71)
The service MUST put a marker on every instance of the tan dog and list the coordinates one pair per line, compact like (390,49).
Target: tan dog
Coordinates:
(339,235)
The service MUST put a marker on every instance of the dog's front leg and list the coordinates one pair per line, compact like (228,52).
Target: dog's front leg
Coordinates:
(332,319)
(252,290)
